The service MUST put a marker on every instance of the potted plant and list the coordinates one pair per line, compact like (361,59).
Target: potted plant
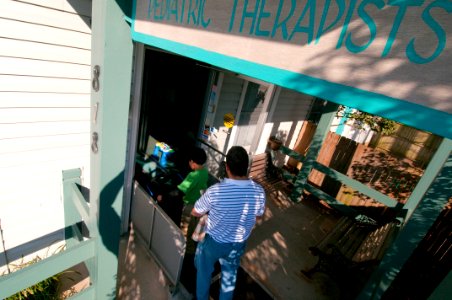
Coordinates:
(274,143)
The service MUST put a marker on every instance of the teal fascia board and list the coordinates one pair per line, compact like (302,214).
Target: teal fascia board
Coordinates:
(408,113)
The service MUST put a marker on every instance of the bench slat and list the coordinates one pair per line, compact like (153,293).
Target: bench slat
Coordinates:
(264,172)
(350,244)
(374,245)
(352,240)
(334,235)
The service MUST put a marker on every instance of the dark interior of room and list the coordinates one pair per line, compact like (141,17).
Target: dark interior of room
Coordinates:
(174,90)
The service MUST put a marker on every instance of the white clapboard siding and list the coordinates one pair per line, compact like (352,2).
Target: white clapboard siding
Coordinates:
(26,225)
(44,155)
(45,179)
(31,67)
(20,48)
(231,91)
(28,144)
(10,83)
(31,129)
(80,7)
(291,111)
(292,106)
(45,86)
(22,115)
(36,169)
(43,15)
(43,34)
(45,176)
(31,170)
(14,202)
(40,100)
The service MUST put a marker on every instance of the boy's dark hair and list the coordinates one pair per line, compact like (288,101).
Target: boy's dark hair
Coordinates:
(237,160)
(198,155)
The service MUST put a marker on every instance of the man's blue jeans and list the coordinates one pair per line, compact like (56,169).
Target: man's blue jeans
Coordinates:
(208,253)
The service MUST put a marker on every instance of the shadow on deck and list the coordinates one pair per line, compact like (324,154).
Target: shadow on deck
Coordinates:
(278,248)
(276,252)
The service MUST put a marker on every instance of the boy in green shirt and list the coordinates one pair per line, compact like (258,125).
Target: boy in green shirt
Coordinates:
(179,202)
(196,180)
(193,185)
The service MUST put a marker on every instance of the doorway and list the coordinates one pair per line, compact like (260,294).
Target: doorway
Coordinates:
(252,113)
(174,91)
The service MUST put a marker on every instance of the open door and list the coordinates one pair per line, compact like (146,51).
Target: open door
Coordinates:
(252,114)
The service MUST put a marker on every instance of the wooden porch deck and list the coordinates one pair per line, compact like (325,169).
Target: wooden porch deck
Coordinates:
(278,248)
(276,252)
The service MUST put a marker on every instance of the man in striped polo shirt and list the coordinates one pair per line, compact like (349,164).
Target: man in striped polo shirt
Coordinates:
(233,205)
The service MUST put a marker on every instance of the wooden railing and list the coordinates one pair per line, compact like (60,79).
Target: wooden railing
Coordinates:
(343,179)
(78,248)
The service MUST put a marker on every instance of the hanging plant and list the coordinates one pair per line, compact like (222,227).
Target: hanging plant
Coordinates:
(274,143)
(375,123)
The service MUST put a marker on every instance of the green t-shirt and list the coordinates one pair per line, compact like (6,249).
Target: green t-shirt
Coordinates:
(193,184)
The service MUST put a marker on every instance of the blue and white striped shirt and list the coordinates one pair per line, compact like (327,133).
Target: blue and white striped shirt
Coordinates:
(233,206)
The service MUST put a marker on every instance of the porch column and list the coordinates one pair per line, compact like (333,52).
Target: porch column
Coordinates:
(444,289)
(438,190)
(328,114)
(112,50)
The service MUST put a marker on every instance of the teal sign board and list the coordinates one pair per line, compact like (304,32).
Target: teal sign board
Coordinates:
(390,58)
(299,21)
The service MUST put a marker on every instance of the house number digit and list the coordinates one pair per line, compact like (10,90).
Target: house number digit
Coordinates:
(96,74)
(94,139)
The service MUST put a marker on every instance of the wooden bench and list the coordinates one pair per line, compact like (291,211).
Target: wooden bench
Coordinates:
(352,249)
(264,172)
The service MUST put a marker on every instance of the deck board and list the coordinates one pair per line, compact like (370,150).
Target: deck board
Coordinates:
(278,249)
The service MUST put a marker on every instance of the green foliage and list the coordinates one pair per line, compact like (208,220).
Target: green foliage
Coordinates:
(376,123)
(48,289)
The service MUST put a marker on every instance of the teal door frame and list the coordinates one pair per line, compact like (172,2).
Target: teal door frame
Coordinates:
(111,60)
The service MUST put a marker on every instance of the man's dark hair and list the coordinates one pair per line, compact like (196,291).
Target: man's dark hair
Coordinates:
(237,160)
(198,155)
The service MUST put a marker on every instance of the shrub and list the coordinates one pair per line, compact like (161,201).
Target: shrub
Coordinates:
(48,289)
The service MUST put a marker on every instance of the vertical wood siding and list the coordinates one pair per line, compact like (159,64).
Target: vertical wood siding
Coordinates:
(416,145)
(45,57)
(292,107)
(228,103)
(291,111)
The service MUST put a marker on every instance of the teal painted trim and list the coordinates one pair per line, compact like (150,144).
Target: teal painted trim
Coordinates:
(72,174)
(70,178)
(78,236)
(112,51)
(328,114)
(444,289)
(435,165)
(415,229)
(134,15)
(347,210)
(343,120)
(289,152)
(80,204)
(128,20)
(28,276)
(358,186)
(287,176)
(408,113)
